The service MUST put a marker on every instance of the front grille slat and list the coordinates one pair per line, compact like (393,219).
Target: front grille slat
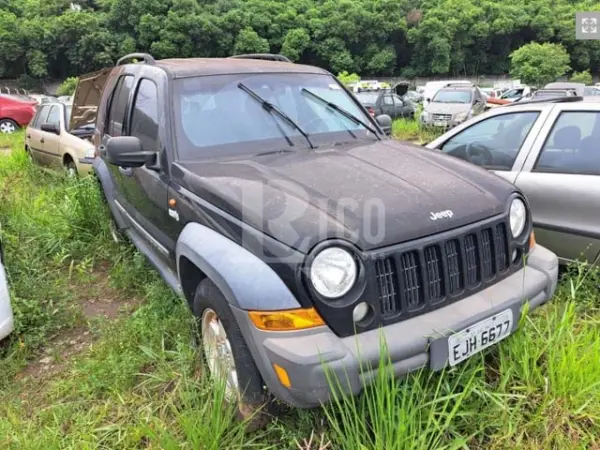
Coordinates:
(437,273)
(410,276)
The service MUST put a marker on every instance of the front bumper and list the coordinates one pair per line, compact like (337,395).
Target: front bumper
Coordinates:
(6,314)
(84,165)
(412,344)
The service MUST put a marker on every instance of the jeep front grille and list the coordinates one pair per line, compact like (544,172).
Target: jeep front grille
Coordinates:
(433,275)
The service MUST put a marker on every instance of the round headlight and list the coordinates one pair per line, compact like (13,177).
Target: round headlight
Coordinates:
(333,272)
(518,217)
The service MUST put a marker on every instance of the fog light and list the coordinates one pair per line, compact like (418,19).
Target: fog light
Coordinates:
(515,255)
(360,312)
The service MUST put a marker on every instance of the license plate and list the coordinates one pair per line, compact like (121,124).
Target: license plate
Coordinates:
(439,124)
(479,336)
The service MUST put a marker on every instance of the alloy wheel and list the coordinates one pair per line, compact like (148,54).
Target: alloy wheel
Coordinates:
(218,354)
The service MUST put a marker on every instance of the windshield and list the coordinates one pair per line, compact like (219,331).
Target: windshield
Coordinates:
(452,97)
(68,109)
(215,117)
(550,94)
(367,97)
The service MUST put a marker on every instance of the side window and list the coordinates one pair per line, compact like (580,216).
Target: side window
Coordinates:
(40,117)
(573,145)
(54,115)
(118,106)
(493,143)
(398,100)
(388,100)
(144,119)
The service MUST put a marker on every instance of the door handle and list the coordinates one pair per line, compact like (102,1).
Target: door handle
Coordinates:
(127,171)
(42,140)
(28,136)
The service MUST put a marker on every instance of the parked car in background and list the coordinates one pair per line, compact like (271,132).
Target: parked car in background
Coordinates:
(516,93)
(432,87)
(50,141)
(414,96)
(15,113)
(6,314)
(238,214)
(553,90)
(453,105)
(591,91)
(391,102)
(493,92)
(551,151)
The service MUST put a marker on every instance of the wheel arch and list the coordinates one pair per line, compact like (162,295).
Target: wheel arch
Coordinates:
(245,280)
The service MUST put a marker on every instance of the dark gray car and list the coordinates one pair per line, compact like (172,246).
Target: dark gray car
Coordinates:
(551,151)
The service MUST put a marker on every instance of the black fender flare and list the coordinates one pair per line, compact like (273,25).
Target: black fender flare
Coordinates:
(245,280)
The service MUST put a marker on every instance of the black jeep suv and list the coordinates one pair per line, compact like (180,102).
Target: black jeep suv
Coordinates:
(300,235)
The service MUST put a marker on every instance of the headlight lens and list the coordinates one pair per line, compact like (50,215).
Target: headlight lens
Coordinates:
(89,152)
(518,217)
(462,116)
(333,272)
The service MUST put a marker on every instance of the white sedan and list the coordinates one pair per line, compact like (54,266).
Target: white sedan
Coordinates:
(6,314)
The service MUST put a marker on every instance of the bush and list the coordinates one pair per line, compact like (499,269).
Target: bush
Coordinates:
(538,64)
(347,78)
(68,86)
(584,77)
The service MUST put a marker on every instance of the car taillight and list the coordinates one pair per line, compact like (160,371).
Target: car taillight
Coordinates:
(371,111)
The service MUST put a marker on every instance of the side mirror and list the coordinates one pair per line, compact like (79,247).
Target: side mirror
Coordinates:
(385,122)
(51,128)
(127,151)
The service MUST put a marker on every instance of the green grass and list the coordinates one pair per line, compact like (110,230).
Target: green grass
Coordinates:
(411,130)
(139,383)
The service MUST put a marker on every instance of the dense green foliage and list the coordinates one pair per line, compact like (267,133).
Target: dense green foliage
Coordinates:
(50,38)
(539,64)
(68,86)
(584,77)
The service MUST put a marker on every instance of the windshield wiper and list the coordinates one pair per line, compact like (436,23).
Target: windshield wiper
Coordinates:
(271,108)
(342,111)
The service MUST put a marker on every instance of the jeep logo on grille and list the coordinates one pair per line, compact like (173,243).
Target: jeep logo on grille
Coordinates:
(441,215)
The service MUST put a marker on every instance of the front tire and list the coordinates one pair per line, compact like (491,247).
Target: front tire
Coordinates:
(227,356)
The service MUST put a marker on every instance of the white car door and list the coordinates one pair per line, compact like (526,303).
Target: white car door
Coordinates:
(561,180)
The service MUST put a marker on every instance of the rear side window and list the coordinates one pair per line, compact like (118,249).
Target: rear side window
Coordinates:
(573,145)
(118,106)
(144,119)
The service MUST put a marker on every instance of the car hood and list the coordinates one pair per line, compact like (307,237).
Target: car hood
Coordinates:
(372,195)
(447,108)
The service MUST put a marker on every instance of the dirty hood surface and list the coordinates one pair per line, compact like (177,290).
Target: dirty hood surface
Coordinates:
(373,195)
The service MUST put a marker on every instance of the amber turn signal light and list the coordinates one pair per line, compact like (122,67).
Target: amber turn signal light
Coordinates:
(283,376)
(531,240)
(286,320)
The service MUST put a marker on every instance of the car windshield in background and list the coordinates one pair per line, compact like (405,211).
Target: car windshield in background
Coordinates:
(550,94)
(589,91)
(206,127)
(367,98)
(452,97)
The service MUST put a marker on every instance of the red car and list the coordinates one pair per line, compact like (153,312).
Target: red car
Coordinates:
(15,113)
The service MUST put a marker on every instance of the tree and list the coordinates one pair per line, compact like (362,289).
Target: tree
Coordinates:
(538,64)
(584,77)
(248,41)
(68,86)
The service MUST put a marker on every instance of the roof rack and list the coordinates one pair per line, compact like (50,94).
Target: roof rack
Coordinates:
(147,58)
(263,56)
(568,99)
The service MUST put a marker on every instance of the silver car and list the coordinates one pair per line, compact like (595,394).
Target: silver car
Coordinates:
(453,105)
(6,314)
(551,151)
